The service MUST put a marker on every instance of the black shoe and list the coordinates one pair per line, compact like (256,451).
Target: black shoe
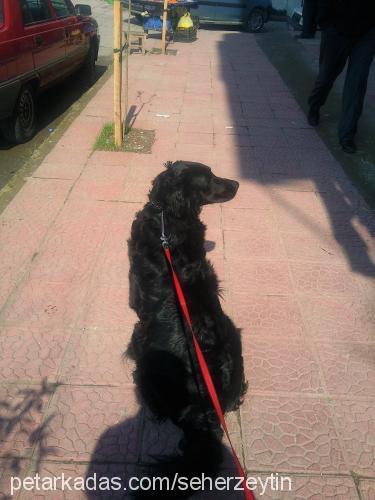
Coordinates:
(313,117)
(348,146)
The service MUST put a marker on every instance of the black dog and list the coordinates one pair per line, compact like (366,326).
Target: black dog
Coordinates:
(167,374)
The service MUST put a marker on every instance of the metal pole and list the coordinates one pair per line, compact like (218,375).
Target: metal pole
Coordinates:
(117,70)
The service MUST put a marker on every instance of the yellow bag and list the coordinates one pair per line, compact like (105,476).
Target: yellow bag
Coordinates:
(185,21)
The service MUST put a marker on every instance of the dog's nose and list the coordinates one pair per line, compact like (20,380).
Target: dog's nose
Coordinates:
(236,185)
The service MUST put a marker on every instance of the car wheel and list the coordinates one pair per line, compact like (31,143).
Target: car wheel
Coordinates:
(255,21)
(21,126)
(88,68)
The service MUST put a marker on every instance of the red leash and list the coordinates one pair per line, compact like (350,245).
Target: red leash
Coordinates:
(203,365)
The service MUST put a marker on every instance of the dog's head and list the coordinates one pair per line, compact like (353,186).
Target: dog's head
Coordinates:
(186,186)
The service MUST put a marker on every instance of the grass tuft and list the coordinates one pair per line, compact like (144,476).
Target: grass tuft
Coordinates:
(135,140)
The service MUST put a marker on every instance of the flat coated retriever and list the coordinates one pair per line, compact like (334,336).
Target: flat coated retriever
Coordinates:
(167,374)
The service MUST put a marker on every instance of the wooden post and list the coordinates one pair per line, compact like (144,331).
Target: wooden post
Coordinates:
(117,70)
(164,27)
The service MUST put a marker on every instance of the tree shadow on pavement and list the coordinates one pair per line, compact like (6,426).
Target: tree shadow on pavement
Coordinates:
(23,428)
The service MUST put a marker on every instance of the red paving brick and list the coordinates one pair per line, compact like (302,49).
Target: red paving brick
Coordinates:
(285,366)
(355,424)
(349,369)
(328,279)
(43,304)
(294,252)
(31,355)
(251,195)
(79,415)
(106,307)
(290,435)
(26,237)
(269,314)
(313,488)
(39,201)
(81,366)
(266,277)
(367,489)
(58,171)
(263,244)
(305,245)
(69,252)
(338,318)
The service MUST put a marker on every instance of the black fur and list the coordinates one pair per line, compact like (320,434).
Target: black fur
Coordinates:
(167,374)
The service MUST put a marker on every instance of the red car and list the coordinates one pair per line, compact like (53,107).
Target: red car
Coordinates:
(41,42)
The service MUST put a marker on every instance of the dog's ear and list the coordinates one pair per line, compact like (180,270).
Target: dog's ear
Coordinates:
(168,164)
(178,203)
(168,191)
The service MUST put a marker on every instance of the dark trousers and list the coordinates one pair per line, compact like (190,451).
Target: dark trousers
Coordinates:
(335,50)
(309,15)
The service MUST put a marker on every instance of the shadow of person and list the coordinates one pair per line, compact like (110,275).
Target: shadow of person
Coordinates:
(113,461)
(130,465)
(284,155)
(353,227)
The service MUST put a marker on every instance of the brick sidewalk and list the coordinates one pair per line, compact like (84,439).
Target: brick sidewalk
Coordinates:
(294,250)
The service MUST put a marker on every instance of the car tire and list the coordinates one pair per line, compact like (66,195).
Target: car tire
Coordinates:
(255,20)
(21,126)
(88,69)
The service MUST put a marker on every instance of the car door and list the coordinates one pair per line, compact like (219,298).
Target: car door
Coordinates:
(230,11)
(77,41)
(9,63)
(46,38)
(206,10)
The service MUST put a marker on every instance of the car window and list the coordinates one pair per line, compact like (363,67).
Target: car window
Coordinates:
(1,13)
(62,8)
(35,11)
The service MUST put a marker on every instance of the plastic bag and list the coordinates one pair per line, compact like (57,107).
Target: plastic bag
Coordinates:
(185,21)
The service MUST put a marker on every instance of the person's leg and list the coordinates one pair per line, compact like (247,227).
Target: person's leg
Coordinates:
(314,17)
(334,51)
(355,86)
(309,15)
